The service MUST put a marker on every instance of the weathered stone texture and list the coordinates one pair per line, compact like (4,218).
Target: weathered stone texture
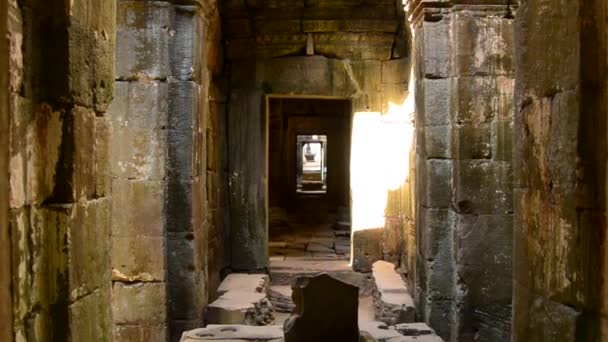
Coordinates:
(560,172)
(168,58)
(464,106)
(60,85)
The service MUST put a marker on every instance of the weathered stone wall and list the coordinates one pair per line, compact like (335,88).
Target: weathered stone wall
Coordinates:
(464,90)
(167,128)
(560,154)
(321,48)
(6,310)
(61,80)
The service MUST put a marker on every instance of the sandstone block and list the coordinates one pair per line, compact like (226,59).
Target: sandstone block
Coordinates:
(139,303)
(437,102)
(393,304)
(434,40)
(143,34)
(234,332)
(396,71)
(241,307)
(257,283)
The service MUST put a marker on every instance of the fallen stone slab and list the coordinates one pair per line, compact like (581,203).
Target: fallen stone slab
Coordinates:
(423,338)
(244,282)
(270,333)
(326,310)
(392,301)
(241,307)
(379,331)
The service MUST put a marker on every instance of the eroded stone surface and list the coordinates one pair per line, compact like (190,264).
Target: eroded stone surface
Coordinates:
(326,310)
(234,333)
(392,300)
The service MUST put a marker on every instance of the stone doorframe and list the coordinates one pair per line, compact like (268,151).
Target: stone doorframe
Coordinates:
(268,97)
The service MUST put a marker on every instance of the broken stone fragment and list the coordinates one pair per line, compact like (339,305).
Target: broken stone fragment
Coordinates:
(242,300)
(326,311)
(393,304)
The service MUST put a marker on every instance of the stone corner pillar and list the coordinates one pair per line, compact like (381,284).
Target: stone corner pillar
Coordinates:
(463,60)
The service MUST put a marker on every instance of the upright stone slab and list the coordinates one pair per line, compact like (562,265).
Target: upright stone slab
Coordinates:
(326,310)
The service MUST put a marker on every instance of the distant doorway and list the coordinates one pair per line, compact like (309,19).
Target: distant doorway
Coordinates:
(309,177)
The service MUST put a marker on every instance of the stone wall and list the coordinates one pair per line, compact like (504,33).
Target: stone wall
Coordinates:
(61,80)
(167,128)
(560,199)
(322,48)
(6,310)
(464,91)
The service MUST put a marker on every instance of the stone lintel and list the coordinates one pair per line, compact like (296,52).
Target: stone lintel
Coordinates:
(430,10)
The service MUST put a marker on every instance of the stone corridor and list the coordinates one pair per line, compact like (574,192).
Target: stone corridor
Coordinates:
(303,170)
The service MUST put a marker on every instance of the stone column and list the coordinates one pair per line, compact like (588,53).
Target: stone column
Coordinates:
(464,90)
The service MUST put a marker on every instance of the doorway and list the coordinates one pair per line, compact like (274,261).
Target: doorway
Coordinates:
(309,178)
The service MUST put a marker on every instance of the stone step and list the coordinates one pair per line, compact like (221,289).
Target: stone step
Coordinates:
(392,301)
(243,299)
(284,272)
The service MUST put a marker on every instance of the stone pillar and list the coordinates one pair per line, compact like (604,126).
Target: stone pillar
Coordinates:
(60,85)
(560,245)
(464,88)
(6,310)
(166,61)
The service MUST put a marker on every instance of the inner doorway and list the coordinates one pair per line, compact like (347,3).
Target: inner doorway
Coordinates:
(309,178)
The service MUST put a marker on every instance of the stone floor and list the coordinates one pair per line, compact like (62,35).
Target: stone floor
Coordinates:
(305,241)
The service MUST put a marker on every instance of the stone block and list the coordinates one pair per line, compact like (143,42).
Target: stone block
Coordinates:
(436,99)
(138,153)
(186,50)
(392,301)
(482,99)
(349,25)
(140,105)
(75,177)
(179,206)
(367,248)
(414,329)
(440,314)
(89,246)
(148,332)
(139,303)
(434,46)
(346,45)
(438,141)
(138,258)
(90,317)
(366,74)
(103,174)
(396,71)
(436,231)
(143,35)
(240,307)
(234,332)
(244,282)
(137,208)
(472,142)
(483,187)
(266,26)
(483,44)
(319,317)
(379,331)
(502,140)
(437,191)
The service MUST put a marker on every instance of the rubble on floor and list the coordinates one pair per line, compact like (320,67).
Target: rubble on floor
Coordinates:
(392,301)
(243,300)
